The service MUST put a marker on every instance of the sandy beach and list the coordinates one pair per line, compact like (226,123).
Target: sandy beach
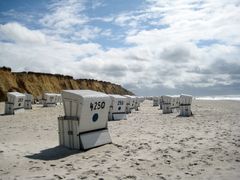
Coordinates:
(148,145)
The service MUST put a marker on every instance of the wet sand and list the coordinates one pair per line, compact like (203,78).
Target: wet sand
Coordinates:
(149,145)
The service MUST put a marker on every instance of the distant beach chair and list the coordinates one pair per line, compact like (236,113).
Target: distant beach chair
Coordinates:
(117,109)
(59,98)
(166,104)
(175,103)
(185,105)
(50,99)
(131,103)
(137,103)
(28,101)
(155,101)
(15,103)
(160,102)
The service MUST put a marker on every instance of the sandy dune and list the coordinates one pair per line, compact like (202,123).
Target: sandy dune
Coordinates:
(149,145)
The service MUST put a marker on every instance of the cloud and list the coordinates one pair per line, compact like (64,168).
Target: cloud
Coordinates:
(87,33)
(169,66)
(65,14)
(176,54)
(212,20)
(33,50)
(20,34)
(97,3)
(115,70)
(64,18)
(188,23)
(163,46)
(222,67)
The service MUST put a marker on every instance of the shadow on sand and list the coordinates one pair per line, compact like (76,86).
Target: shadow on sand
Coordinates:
(3,114)
(192,115)
(54,153)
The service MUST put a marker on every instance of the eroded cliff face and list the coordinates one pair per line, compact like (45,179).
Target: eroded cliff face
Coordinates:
(38,83)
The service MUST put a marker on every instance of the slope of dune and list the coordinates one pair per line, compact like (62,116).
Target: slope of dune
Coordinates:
(37,83)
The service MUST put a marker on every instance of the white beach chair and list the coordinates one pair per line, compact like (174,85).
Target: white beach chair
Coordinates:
(166,104)
(117,109)
(185,105)
(28,101)
(155,101)
(50,99)
(15,103)
(84,125)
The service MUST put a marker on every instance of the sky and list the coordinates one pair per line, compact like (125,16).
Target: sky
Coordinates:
(151,47)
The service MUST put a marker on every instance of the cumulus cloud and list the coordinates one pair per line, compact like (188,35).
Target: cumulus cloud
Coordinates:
(176,54)
(192,21)
(32,50)
(189,22)
(20,34)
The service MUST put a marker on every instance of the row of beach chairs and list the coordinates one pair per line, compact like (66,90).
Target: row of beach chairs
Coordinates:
(168,104)
(120,105)
(17,102)
(86,114)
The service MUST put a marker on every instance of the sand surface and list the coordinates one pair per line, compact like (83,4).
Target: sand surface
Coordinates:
(149,145)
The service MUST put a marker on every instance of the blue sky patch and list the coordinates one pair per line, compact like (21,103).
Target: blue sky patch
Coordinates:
(208,42)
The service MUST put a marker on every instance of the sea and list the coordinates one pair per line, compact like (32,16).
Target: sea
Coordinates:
(219,97)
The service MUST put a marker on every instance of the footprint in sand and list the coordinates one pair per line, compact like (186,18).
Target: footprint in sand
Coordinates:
(193,164)
(206,162)
(115,167)
(144,146)
(35,168)
(39,177)
(68,165)
(82,177)
(58,176)
(130,177)
(127,153)
(167,156)
(103,161)
(153,165)
(192,151)
(107,155)
(161,177)
(95,165)
(137,163)
(167,161)
(215,149)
